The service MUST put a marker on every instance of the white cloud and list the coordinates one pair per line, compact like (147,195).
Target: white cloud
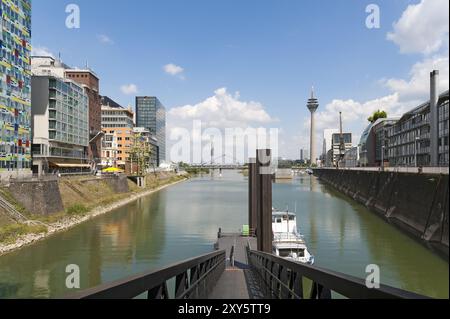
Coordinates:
(129,89)
(354,111)
(423,27)
(41,51)
(174,70)
(223,110)
(104,39)
(218,113)
(416,88)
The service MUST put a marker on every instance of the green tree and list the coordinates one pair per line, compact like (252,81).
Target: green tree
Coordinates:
(377,115)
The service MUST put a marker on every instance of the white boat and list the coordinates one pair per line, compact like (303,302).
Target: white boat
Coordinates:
(287,241)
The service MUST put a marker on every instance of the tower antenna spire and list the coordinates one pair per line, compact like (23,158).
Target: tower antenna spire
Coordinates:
(313,105)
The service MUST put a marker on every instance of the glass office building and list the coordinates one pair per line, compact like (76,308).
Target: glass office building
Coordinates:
(151,114)
(15,86)
(60,126)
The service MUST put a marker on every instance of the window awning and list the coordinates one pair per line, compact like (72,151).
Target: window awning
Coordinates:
(65,165)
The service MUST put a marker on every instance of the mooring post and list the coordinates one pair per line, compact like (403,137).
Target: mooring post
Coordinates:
(264,184)
(253,196)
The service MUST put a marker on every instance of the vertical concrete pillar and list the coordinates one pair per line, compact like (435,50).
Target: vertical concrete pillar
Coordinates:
(434,119)
(312,139)
(253,197)
(264,179)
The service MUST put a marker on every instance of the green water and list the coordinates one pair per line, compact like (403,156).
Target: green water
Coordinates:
(182,222)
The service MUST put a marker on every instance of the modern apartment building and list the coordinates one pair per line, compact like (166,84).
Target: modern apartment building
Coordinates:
(328,140)
(443,129)
(89,81)
(60,126)
(15,88)
(117,126)
(410,138)
(151,115)
(91,84)
(48,66)
(374,143)
(336,151)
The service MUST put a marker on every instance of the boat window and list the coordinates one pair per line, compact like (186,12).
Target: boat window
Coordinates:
(284,253)
(301,253)
(279,220)
(292,218)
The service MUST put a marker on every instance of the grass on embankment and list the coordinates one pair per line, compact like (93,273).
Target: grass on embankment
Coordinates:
(80,197)
(11,230)
(10,233)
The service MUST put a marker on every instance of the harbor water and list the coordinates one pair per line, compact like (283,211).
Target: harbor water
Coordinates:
(182,221)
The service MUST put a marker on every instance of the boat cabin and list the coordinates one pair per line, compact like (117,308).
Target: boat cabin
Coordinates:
(284,222)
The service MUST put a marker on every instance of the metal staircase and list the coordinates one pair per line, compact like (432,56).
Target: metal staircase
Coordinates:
(11,212)
(14,215)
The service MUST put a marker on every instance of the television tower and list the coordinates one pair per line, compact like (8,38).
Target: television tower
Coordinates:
(313,105)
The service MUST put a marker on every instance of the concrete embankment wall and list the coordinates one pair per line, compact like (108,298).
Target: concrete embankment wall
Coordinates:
(38,198)
(54,196)
(418,203)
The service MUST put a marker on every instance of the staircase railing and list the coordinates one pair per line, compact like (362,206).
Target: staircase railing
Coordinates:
(11,211)
(284,279)
(194,279)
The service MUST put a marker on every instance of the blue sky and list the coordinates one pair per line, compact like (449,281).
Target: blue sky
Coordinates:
(271,52)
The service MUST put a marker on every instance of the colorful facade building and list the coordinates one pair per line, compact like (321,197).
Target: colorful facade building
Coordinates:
(117,126)
(15,88)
